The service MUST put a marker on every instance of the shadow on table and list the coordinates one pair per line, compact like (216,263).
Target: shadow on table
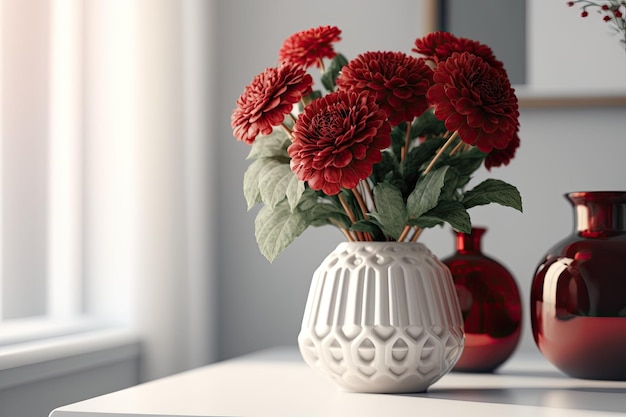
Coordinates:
(581,398)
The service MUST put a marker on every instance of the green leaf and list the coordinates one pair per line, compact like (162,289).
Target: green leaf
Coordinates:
(462,181)
(426,193)
(418,156)
(252,177)
(398,137)
(329,77)
(274,182)
(452,181)
(322,214)
(308,200)
(468,162)
(276,229)
(251,190)
(426,222)
(371,226)
(451,212)
(295,189)
(421,154)
(427,125)
(387,167)
(365,226)
(318,211)
(493,191)
(390,210)
(272,145)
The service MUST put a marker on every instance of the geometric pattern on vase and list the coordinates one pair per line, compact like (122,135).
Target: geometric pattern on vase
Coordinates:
(382,317)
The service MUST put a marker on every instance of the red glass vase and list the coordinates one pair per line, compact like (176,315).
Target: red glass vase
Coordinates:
(490,303)
(578,293)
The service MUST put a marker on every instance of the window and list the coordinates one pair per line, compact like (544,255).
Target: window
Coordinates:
(104,124)
(39,158)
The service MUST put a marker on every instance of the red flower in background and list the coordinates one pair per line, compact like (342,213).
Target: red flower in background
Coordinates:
(399,82)
(337,140)
(499,157)
(439,46)
(612,12)
(475,99)
(309,47)
(267,99)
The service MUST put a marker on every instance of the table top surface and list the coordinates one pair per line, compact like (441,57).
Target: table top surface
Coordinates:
(276,382)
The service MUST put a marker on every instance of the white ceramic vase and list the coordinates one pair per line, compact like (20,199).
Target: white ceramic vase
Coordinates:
(382,317)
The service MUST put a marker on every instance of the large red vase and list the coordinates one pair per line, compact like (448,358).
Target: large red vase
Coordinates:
(578,294)
(490,302)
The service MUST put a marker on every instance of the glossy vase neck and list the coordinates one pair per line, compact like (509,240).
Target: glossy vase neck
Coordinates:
(469,242)
(599,213)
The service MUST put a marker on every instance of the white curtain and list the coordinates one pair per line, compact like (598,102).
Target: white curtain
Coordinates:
(148,70)
(131,82)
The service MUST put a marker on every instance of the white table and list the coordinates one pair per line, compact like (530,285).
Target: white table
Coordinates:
(277,383)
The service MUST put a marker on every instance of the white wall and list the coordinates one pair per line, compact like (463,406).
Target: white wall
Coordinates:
(562,150)
(566,50)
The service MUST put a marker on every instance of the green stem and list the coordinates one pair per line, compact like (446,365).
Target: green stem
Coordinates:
(359,199)
(416,235)
(351,216)
(441,151)
(288,130)
(404,233)
(407,142)
(322,67)
(345,232)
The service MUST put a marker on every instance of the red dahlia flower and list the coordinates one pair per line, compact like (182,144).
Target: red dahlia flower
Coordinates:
(499,157)
(309,47)
(439,46)
(337,140)
(265,102)
(399,82)
(476,100)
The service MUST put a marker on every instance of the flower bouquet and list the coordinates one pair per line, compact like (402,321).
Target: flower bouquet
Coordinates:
(385,148)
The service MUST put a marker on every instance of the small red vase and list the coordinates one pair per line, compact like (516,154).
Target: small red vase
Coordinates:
(490,303)
(578,293)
